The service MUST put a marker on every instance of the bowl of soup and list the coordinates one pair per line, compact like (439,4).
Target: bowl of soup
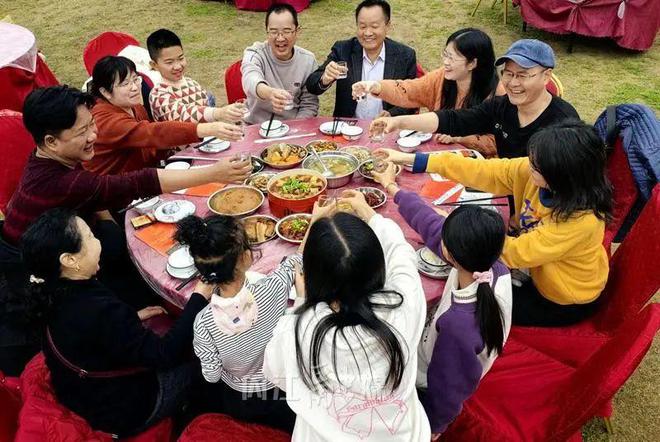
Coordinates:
(236,201)
(295,191)
(342,165)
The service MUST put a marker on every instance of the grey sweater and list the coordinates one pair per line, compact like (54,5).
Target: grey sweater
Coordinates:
(260,66)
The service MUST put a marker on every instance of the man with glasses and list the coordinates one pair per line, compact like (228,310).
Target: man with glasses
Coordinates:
(513,118)
(274,72)
(370,56)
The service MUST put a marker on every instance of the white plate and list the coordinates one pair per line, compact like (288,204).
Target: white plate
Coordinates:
(180,273)
(178,165)
(326,128)
(168,213)
(281,131)
(423,137)
(215,146)
(431,271)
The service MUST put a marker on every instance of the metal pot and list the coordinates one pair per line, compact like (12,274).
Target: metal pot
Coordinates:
(335,181)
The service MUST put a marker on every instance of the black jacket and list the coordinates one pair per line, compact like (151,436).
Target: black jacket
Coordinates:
(400,63)
(96,331)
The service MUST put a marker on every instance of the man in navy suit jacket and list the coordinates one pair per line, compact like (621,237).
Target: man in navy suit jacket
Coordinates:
(369,56)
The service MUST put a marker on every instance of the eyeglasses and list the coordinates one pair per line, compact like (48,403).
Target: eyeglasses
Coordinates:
(447,56)
(137,81)
(286,33)
(521,76)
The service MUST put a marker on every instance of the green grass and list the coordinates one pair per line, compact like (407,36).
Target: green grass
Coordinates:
(596,74)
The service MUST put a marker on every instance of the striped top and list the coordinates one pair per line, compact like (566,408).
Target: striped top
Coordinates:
(238,359)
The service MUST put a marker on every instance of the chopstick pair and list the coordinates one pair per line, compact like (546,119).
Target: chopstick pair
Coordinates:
(134,204)
(187,281)
(410,134)
(204,143)
(469,202)
(270,123)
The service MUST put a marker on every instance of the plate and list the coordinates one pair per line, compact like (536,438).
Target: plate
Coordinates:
(430,258)
(431,271)
(215,146)
(257,217)
(174,211)
(423,137)
(326,128)
(275,133)
(180,273)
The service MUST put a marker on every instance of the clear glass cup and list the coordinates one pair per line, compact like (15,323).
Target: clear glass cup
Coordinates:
(327,200)
(289,102)
(343,66)
(242,102)
(378,133)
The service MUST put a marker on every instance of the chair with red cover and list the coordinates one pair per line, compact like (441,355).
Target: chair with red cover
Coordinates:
(420,71)
(234,82)
(217,427)
(42,418)
(16,84)
(107,43)
(554,86)
(17,144)
(528,395)
(10,404)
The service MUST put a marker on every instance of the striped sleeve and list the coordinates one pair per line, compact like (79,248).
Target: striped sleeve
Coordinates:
(206,350)
(278,284)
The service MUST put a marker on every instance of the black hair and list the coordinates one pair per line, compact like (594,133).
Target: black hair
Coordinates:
(216,244)
(159,40)
(278,8)
(345,266)
(387,10)
(571,157)
(52,234)
(473,44)
(51,110)
(108,70)
(474,237)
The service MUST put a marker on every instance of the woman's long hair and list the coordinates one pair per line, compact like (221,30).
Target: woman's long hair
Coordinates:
(473,44)
(216,244)
(52,234)
(571,157)
(344,267)
(474,237)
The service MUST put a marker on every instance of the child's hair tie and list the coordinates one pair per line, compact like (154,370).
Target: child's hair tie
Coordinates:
(483,277)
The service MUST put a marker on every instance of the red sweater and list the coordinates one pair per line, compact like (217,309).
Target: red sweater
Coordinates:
(125,143)
(47,184)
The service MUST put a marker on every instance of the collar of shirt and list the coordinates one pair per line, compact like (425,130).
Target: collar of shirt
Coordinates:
(380,58)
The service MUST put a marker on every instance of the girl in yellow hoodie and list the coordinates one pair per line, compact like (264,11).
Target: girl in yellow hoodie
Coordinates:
(562,201)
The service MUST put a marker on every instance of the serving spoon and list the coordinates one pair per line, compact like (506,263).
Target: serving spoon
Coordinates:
(326,173)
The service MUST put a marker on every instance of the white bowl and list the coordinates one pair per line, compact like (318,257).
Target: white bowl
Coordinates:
(181,259)
(326,128)
(174,211)
(178,165)
(147,206)
(275,125)
(409,144)
(351,133)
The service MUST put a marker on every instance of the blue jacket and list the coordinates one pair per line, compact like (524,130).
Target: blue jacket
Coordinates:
(640,131)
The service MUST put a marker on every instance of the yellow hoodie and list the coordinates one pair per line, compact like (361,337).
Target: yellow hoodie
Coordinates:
(567,260)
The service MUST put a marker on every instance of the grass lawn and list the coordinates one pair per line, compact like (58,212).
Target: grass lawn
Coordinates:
(214,35)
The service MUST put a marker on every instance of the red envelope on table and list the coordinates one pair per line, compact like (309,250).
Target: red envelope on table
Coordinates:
(436,189)
(204,189)
(158,236)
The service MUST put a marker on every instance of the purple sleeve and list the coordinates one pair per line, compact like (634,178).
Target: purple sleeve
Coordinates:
(455,370)
(422,218)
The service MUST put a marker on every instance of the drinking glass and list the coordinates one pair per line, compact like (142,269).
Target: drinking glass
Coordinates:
(327,200)
(242,102)
(378,133)
(344,67)
(289,103)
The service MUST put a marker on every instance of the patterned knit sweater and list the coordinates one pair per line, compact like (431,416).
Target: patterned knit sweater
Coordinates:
(186,101)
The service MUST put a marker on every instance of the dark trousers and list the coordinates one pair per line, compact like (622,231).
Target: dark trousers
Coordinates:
(264,407)
(530,308)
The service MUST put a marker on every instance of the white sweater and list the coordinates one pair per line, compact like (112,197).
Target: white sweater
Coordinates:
(362,410)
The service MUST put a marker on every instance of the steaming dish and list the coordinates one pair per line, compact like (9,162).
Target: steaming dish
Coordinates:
(283,154)
(236,201)
(297,187)
(323,146)
(259,228)
(293,227)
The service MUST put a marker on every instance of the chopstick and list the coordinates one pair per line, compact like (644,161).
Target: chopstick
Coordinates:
(187,281)
(270,123)
(410,134)
(210,140)
(136,203)
(465,203)
(335,121)
(483,199)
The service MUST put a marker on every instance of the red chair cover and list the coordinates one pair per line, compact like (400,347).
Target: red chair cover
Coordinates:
(16,84)
(528,395)
(420,71)
(17,143)
(262,5)
(10,404)
(219,427)
(234,82)
(42,418)
(107,43)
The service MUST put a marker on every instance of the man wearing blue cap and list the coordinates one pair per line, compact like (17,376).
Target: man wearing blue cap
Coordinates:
(512,118)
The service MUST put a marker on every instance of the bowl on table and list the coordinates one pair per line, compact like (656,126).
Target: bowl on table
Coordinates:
(236,201)
(321,146)
(180,264)
(259,228)
(178,165)
(351,133)
(341,164)
(174,211)
(277,129)
(408,145)
(283,155)
(366,169)
(362,153)
(260,180)
(295,191)
(147,206)
(292,228)
(374,196)
(257,164)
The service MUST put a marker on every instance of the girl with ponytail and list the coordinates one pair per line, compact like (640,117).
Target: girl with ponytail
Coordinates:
(231,333)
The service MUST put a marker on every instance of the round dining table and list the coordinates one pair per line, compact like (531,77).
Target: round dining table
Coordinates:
(152,265)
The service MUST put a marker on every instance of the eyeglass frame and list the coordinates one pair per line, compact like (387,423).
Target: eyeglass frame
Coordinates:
(447,56)
(137,81)
(521,76)
(286,33)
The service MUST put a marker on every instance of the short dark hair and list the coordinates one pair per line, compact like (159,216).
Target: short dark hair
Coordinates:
(107,70)
(51,110)
(369,3)
(278,8)
(159,40)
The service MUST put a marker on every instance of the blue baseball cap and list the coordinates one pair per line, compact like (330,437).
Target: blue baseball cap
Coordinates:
(528,53)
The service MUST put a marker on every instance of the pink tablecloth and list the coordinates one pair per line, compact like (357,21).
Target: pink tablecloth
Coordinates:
(152,265)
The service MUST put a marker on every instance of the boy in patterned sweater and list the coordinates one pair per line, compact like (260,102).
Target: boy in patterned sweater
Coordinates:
(177,97)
